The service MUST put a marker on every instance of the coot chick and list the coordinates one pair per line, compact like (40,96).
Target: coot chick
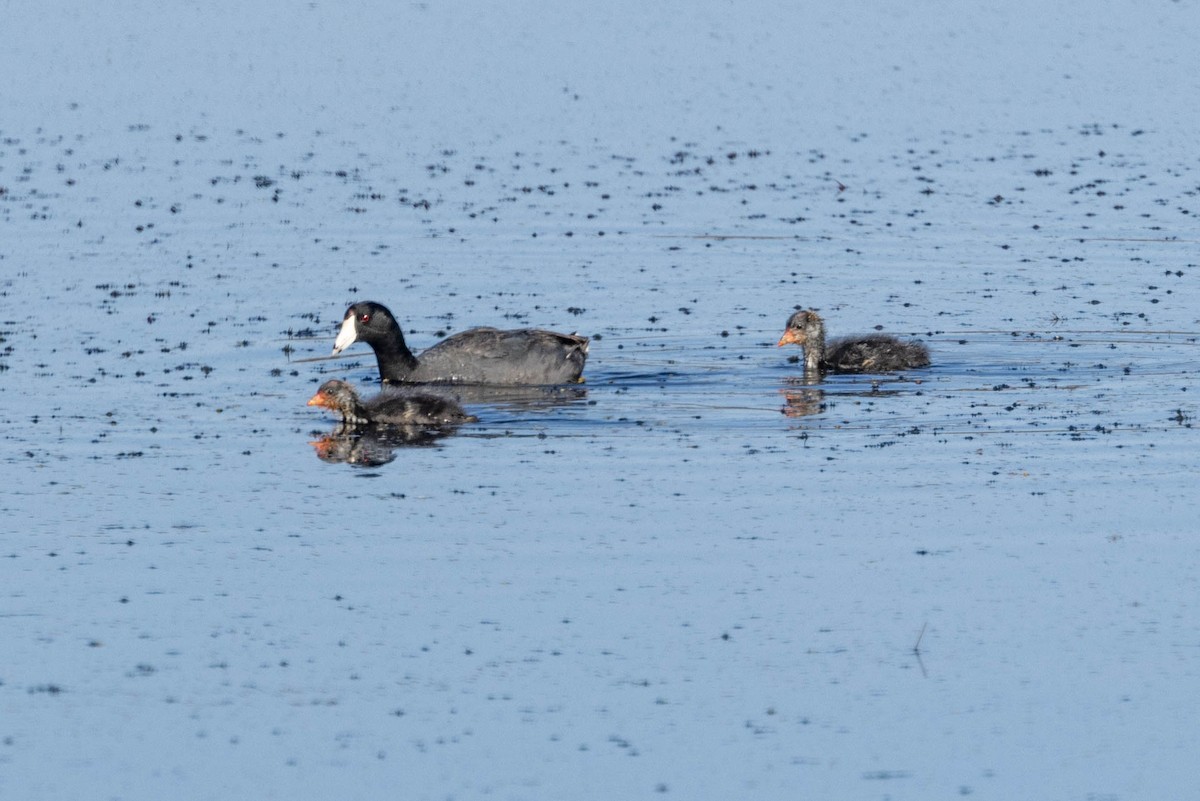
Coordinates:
(389,407)
(477,356)
(870,353)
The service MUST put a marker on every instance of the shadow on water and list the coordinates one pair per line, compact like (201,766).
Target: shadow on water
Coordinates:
(517,399)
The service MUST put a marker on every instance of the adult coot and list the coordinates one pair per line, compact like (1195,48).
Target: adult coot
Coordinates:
(390,407)
(870,353)
(475,356)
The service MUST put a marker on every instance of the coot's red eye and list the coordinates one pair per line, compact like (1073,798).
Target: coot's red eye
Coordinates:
(366,318)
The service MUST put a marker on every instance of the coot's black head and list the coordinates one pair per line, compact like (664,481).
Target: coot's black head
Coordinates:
(368,322)
(336,395)
(803,327)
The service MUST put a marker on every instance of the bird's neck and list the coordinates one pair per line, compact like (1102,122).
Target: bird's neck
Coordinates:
(353,413)
(395,359)
(814,350)
(813,358)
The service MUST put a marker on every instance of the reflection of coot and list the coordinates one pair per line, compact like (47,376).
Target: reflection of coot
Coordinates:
(390,407)
(477,356)
(802,402)
(371,447)
(871,353)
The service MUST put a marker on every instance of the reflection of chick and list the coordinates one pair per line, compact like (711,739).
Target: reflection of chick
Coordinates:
(803,402)
(389,407)
(362,450)
(871,353)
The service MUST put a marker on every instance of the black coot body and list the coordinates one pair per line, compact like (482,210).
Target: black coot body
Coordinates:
(523,356)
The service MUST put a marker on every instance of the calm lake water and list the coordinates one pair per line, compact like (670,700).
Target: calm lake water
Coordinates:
(694,576)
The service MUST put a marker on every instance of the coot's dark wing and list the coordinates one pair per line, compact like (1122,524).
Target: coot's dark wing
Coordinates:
(874,353)
(403,407)
(492,356)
